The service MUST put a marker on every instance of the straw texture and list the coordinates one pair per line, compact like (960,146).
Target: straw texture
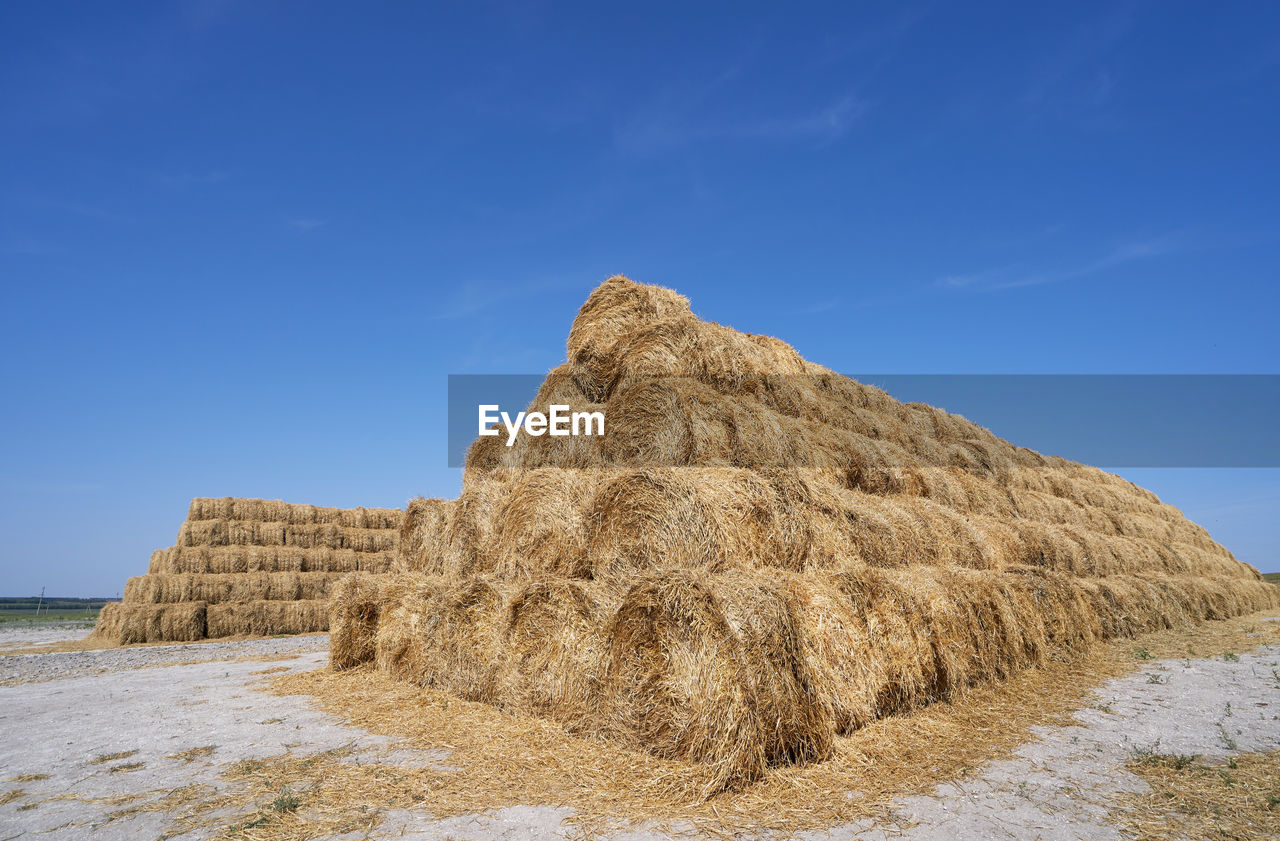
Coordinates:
(758,555)
(251,567)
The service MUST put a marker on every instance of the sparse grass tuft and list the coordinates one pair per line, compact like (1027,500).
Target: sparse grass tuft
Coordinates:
(252,823)
(104,758)
(126,767)
(1152,756)
(193,754)
(1192,800)
(286,802)
(274,670)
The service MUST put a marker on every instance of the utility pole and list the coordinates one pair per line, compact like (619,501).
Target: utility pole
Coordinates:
(39,603)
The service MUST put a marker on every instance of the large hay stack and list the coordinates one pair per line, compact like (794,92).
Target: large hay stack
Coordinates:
(761,554)
(250,566)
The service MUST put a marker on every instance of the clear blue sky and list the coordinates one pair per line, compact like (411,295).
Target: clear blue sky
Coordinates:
(243,243)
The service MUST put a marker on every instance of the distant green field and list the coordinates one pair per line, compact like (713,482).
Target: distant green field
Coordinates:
(1273,577)
(49,608)
(24,615)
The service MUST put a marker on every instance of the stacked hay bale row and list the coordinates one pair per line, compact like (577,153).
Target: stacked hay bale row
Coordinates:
(760,554)
(250,566)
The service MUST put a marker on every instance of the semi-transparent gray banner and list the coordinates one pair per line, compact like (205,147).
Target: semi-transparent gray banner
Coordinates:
(1123,420)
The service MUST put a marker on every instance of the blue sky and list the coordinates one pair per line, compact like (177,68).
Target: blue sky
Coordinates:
(243,244)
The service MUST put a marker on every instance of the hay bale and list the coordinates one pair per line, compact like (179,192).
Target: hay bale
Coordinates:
(110,623)
(446,633)
(554,636)
(469,523)
(184,622)
(353,621)
(421,535)
(539,526)
(274,510)
(711,669)
(640,520)
(268,618)
(218,588)
(752,508)
(608,317)
(301,535)
(268,567)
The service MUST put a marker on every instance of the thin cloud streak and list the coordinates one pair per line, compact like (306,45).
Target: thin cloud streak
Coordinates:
(828,124)
(471,297)
(671,126)
(1015,276)
(1082,51)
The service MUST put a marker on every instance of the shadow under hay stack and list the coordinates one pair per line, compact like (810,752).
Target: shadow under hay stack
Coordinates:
(761,554)
(250,567)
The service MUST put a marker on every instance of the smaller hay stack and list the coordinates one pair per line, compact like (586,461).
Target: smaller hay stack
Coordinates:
(253,567)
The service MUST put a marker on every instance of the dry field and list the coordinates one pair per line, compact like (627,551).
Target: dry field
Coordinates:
(1169,735)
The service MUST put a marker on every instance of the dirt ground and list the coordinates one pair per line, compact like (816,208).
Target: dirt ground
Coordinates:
(117,743)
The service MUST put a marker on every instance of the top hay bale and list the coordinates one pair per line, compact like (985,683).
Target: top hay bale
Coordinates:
(251,566)
(761,554)
(277,511)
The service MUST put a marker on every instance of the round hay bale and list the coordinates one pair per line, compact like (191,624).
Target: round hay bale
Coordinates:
(422,535)
(440,632)
(555,639)
(110,621)
(672,518)
(647,426)
(836,644)
(610,315)
(712,670)
(469,523)
(353,621)
(539,528)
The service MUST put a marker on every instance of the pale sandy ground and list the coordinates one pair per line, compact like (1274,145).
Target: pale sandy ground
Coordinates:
(76,706)
(22,633)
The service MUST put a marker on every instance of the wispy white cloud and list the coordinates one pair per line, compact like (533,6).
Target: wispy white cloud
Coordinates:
(1074,70)
(472,296)
(1015,276)
(826,124)
(305,224)
(467,298)
(671,123)
(875,37)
